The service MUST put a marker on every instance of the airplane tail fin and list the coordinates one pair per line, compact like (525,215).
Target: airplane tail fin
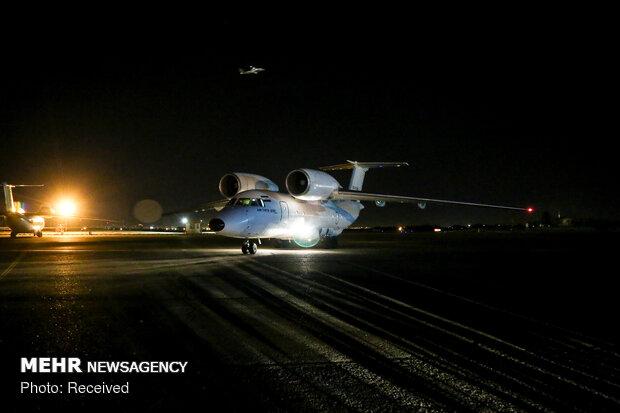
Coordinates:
(360,169)
(9,206)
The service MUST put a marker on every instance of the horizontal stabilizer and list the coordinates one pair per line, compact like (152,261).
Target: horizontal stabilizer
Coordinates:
(359,170)
(353,164)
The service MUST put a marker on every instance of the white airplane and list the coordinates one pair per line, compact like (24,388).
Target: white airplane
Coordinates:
(22,222)
(251,71)
(315,210)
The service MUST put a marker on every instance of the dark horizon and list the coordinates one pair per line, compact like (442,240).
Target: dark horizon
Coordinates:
(522,125)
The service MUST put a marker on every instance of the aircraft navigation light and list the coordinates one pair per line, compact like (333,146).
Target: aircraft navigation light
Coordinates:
(530,209)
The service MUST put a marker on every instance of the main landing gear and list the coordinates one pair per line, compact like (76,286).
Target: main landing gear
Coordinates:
(249,246)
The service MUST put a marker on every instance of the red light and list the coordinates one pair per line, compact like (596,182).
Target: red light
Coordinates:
(530,210)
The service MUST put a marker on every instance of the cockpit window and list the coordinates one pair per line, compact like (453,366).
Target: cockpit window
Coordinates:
(248,202)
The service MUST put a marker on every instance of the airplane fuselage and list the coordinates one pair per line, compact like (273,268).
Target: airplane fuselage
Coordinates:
(269,214)
(251,71)
(21,223)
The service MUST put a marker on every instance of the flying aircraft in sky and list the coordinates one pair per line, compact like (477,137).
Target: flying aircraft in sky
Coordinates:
(22,222)
(315,210)
(251,71)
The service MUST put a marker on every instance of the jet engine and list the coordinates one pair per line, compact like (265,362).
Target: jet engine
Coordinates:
(233,183)
(310,184)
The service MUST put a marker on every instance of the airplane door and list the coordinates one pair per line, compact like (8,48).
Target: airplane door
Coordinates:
(284,210)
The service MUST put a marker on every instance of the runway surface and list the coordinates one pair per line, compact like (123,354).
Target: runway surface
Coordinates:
(461,321)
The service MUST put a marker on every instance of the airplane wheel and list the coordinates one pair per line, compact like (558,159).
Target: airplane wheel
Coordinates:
(253,248)
(13,234)
(39,234)
(249,247)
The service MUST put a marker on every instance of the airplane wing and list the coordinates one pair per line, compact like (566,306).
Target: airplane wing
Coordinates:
(87,218)
(49,216)
(217,205)
(363,196)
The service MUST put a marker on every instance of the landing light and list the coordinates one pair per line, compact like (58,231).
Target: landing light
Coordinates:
(300,229)
(304,235)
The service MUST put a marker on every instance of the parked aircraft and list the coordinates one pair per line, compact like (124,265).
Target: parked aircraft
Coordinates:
(21,221)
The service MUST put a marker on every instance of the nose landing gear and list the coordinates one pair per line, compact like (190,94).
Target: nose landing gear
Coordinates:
(249,247)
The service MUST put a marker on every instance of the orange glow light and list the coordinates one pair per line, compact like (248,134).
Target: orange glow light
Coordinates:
(66,207)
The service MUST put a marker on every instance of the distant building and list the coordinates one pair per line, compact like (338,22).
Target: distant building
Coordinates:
(193,227)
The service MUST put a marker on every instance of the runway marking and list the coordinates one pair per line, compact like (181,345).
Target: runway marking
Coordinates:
(450,368)
(498,352)
(13,264)
(288,359)
(367,339)
(469,300)
(609,350)
(285,360)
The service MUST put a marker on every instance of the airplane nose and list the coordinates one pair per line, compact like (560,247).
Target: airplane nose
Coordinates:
(216,224)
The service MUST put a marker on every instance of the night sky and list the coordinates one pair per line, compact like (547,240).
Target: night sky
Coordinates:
(515,117)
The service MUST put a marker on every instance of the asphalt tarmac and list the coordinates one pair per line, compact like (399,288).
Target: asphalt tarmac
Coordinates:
(451,321)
